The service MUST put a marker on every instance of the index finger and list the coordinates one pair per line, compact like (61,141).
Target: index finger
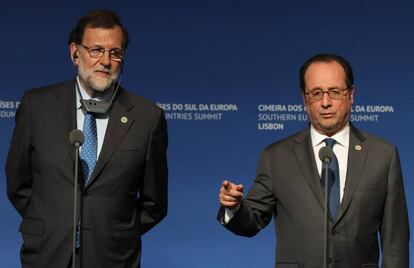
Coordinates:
(227,185)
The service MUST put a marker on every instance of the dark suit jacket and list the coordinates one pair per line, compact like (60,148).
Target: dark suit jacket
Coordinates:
(287,186)
(127,192)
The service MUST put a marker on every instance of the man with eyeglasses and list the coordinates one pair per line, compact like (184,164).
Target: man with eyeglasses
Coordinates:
(123,167)
(367,206)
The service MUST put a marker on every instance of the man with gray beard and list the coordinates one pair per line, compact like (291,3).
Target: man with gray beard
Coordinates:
(123,167)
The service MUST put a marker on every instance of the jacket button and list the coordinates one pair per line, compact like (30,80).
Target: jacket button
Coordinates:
(329,260)
(333,232)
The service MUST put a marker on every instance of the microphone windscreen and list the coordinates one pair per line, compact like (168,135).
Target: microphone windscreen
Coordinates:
(326,154)
(76,137)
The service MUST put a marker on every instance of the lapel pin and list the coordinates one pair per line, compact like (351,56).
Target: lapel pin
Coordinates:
(124,119)
(358,147)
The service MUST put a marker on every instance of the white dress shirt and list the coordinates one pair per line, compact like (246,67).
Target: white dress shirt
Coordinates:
(340,148)
(101,122)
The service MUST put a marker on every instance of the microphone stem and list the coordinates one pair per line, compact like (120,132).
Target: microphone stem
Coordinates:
(75,198)
(326,218)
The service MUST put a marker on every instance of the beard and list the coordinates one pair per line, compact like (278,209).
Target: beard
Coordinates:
(93,82)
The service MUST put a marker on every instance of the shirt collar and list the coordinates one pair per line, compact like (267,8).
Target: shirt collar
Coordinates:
(342,137)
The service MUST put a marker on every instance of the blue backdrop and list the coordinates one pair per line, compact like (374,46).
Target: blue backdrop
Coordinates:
(226,72)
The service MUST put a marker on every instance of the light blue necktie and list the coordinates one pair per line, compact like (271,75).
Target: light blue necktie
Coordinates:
(333,181)
(89,148)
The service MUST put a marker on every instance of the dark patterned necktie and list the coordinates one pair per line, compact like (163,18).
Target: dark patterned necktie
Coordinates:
(333,181)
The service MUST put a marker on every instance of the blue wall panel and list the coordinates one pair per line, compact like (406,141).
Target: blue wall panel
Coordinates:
(244,53)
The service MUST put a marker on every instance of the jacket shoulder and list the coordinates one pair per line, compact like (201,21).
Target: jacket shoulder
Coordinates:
(47,89)
(141,103)
(376,141)
(288,142)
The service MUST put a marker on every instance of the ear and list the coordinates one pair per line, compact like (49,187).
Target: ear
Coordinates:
(305,104)
(351,94)
(303,98)
(74,53)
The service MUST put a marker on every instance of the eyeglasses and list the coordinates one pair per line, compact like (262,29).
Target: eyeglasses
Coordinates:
(116,54)
(333,93)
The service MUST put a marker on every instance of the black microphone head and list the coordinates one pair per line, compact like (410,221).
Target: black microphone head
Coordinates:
(326,154)
(76,137)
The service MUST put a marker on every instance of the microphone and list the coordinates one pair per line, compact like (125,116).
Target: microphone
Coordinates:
(99,107)
(76,137)
(326,154)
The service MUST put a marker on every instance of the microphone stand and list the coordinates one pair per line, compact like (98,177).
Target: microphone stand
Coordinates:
(75,198)
(76,138)
(326,216)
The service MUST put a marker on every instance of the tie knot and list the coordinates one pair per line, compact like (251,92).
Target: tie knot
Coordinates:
(89,115)
(330,142)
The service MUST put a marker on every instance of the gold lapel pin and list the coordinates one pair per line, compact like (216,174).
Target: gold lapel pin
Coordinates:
(358,147)
(124,119)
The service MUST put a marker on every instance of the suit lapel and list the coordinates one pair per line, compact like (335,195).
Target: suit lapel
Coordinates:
(357,154)
(306,160)
(65,112)
(118,124)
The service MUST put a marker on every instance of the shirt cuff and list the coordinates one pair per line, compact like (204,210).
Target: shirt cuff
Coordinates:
(229,213)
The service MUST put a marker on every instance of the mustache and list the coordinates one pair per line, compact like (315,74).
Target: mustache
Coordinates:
(103,69)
